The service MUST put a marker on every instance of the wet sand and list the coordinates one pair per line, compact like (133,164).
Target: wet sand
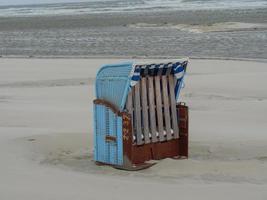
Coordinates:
(225,33)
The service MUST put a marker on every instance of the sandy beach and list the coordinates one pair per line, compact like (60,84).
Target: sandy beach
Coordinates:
(46,134)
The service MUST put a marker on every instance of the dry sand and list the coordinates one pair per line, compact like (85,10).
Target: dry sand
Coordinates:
(46,135)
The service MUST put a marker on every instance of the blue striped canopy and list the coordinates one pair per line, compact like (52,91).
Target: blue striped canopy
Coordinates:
(113,81)
(177,68)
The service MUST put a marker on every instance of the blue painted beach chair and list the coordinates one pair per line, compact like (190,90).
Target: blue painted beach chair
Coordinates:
(137,116)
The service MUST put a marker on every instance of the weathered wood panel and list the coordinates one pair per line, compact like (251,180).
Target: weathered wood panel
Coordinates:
(173,107)
(145,110)
(159,108)
(137,115)
(129,106)
(152,113)
(166,106)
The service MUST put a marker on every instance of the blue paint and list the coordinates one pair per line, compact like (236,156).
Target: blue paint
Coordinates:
(107,123)
(112,83)
(120,141)
(95,131)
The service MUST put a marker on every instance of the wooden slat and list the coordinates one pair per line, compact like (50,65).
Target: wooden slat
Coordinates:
(137,116)
(166,107)
(145,109)
(159,108)
(152,114)
(173,107)
(129,105)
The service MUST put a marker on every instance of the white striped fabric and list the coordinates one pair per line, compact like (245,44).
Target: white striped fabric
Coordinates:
(178,69)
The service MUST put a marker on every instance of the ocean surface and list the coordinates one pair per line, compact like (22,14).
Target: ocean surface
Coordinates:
(193,28)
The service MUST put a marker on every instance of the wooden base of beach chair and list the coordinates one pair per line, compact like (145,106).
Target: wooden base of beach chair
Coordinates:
(174,148)
(135,156)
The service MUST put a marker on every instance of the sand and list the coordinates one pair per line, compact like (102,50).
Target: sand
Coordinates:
(46,135)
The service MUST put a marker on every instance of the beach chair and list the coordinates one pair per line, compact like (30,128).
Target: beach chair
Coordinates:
(137,117)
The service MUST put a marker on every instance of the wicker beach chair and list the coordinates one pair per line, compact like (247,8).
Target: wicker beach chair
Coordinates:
(137,117)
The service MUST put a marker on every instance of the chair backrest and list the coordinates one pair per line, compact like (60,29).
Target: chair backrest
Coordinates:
(152,105)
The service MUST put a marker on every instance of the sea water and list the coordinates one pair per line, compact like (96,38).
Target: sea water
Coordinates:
(110,6)
(194,28)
